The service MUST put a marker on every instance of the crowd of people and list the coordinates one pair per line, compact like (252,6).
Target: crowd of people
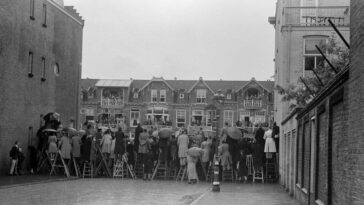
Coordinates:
(176,147)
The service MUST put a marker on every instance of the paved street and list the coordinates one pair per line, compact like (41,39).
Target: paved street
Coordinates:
(117,191)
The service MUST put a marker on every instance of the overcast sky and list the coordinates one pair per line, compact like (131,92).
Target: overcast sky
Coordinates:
(214,39)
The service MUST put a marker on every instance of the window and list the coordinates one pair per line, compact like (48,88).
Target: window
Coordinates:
(154,95)
(44,15)
(136,96)
(30,64)
(181,118)
(163,95)
(197,118)
(201,96)
(312,57)
(228,96)
(134,118)
(259,117)
(211,118)
(181,96)
(229,117)
(43,72)
(32,9)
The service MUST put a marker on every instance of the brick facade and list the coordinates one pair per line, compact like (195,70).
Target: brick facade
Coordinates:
(334,164)
(181,96)
(58,40)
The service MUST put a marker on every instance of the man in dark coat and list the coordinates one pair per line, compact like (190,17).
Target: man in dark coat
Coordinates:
(259,136)
(275,135)
(120,143)
(14,155)
(138,130)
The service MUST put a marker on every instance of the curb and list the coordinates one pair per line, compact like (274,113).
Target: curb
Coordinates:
(38,182)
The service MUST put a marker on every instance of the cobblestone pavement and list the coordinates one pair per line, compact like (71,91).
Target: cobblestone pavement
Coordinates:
(117,191)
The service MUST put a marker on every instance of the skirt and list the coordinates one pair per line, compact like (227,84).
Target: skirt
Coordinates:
(270,145)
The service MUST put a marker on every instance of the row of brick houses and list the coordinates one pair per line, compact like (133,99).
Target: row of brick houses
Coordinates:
(177,103)
(40,68)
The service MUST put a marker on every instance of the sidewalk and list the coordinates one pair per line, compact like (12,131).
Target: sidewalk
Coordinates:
(247,194)
(11,181)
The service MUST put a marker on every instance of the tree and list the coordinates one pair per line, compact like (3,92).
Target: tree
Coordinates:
(300,95)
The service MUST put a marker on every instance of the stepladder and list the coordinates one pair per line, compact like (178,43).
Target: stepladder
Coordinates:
(122,168)
(88,169)
(58,163)
(181,175)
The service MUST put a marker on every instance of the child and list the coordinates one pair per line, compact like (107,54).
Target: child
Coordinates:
(225,159)
(243,168)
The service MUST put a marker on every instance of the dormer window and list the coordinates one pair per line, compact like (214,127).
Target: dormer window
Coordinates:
(163,95)
(181,96)
(136,95)
(201,95)
(153,95)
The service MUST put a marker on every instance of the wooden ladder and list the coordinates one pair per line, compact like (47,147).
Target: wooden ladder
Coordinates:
(122,168)
(102,163)
(88,170)
(61,165)
(181,175)
(258,174)
(160,170)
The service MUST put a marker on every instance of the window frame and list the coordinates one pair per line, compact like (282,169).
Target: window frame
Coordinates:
(201,95)
(43,71)
(163,95)
(180,112)
(132,117)
(228,96)
(315,55)
(181,96)
(154,95)
(44,15)
(31,7)
(30,64)
(136,95)
(228,117)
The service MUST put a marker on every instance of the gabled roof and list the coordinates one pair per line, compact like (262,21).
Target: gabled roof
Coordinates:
(181,84)
(224,85)
(87,83)
(113,83)
(266,85)
(203,82)
(154,79)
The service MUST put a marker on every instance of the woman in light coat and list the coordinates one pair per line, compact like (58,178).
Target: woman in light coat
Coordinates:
(52,147)
(270,146)
(182,143)
(106,144)
(65,147)
(206,147)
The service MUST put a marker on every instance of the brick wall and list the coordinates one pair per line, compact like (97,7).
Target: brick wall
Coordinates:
(356,106)
(24,98)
